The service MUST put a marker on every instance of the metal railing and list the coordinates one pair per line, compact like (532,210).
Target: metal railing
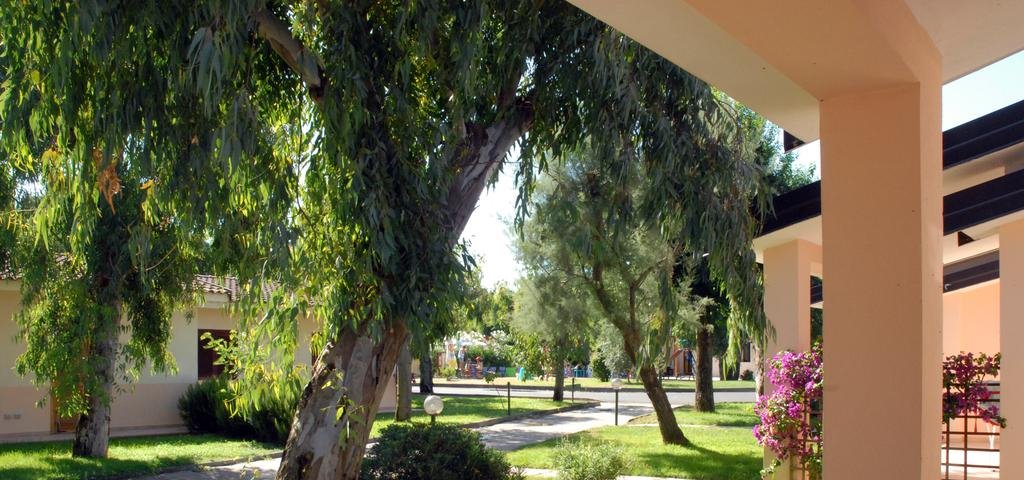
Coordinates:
(970,426)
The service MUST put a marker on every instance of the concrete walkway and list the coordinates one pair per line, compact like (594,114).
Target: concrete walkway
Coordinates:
(512,435)
(502,436)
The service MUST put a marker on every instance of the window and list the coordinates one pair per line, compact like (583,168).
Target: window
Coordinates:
(208,357)
(745,352)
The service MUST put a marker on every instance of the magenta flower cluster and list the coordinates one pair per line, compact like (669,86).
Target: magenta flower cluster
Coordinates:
(964,379)
(787,427)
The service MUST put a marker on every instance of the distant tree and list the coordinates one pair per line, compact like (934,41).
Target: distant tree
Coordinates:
(554,310)
(581,227)
(712,337)
(781,172)
(610,351)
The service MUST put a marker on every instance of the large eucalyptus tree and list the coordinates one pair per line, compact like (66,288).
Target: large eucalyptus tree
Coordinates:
(337,149)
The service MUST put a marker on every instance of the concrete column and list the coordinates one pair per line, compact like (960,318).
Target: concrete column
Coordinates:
(882,231)
(787,303)
(787,294)
(1011,339)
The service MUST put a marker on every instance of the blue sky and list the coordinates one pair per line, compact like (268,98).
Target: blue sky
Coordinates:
(965,99)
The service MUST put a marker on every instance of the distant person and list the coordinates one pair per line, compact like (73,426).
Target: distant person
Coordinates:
(460,359)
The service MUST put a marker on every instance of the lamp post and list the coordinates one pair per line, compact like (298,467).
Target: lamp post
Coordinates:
(616,385)
(433,405)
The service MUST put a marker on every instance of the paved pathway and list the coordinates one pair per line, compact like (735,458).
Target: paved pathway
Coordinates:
(513,435)
(631,397)
(502,436)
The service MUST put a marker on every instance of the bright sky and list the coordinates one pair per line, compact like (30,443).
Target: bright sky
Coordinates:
(490,240)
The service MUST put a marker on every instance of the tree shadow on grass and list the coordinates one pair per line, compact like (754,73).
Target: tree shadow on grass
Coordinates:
(93,469)
(145,456)
(705,465)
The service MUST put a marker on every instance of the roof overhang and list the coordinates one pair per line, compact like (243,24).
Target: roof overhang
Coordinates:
(981,195)
(780,58)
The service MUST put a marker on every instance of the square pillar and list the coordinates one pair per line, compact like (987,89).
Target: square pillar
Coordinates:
(882,231)
(787,294)
(787,304)
(1011,344)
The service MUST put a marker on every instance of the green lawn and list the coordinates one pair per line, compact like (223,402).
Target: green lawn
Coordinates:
(146,455)
(726,415)
(128,456)
(463,410)
(723,447)
(591,382)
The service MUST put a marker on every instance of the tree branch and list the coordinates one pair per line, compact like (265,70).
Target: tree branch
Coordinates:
(291,50)
(486,148)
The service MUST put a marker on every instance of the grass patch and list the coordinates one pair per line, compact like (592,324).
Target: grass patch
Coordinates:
(722,448)
(462,410)
(726,415)
(589,382)
(128,456)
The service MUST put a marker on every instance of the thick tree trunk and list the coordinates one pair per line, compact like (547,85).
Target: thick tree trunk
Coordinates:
(671,434)
(337,407)
(92,433)
(330,430)
(403,412)
(426,373)
(704,399)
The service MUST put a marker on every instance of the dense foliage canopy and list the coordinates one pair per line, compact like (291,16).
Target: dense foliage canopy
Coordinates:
(331,152)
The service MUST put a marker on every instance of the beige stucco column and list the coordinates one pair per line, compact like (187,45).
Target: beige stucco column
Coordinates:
(1011,339)
(787,303)
(882,227)
(787,294)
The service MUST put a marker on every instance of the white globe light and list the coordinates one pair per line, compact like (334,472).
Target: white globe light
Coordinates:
(616,383)
(433,405)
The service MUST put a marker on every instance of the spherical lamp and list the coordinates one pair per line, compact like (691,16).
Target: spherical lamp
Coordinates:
(433,405)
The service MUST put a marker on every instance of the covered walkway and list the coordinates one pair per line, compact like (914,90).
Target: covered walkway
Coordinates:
(865,78)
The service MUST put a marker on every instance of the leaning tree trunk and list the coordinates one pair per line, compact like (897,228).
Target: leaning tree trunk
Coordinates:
(403,411)
(704,399)
(324,445)
(92,433)
(671,434)
(426,372)
(336,410)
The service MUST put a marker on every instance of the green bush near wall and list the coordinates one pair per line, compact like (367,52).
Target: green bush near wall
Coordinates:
(207,407)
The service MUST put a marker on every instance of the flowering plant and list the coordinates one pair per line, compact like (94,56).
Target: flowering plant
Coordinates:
(963,378)
(786,426)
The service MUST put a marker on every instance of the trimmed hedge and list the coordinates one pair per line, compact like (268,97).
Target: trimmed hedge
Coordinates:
(434,452)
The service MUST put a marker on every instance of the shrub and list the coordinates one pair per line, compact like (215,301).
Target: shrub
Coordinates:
(448,372)
(747,375)
(786,424)
(271,412)
(492,356)
(601,370)
(591,461)
(199,404)
(434,452)
(204,409)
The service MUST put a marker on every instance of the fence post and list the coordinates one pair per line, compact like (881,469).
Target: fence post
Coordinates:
(508,393)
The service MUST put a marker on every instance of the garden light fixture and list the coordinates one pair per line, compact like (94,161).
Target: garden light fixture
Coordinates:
(433,405)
